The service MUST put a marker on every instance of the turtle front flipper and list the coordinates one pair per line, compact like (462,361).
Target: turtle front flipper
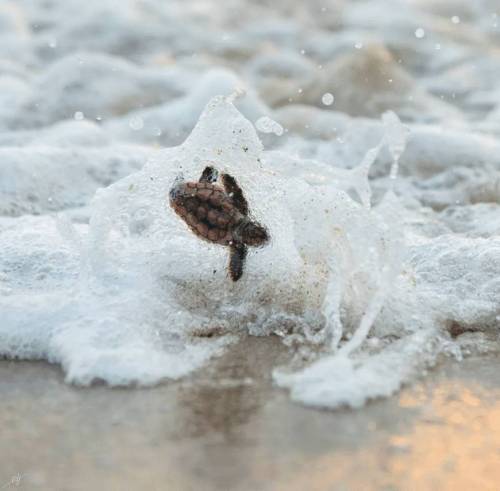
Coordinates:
(237,255)
(233,189)
(209,174)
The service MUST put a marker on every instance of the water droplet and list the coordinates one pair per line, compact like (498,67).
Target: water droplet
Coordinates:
(136,123)
(327,99)
(358,45)
(79,116)
(396,136)
(455,19)
(419,33)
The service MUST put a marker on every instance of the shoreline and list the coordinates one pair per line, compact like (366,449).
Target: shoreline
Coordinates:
(227,427)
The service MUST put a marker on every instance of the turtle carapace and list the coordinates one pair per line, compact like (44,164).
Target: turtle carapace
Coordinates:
(219,214)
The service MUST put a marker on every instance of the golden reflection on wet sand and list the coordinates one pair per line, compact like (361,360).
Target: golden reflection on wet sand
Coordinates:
(453,444)
(228,428)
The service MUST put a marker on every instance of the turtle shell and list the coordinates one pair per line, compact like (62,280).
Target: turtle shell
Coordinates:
(207,210)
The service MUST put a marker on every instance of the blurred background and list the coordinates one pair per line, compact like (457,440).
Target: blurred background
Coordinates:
(88,74)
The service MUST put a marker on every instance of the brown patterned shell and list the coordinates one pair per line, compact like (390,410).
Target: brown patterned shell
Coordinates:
(207,210)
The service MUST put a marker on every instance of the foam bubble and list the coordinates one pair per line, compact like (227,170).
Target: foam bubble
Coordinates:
(327,99)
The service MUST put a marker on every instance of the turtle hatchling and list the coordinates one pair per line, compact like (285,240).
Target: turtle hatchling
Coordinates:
(219,214)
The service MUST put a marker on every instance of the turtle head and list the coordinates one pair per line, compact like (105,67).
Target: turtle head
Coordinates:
(252,233)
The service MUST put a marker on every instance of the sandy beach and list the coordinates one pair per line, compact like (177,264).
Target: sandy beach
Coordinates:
(228,428)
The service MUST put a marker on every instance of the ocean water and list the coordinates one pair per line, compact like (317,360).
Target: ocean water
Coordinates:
(366,138)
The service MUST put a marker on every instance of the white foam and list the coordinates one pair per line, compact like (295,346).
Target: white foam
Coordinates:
(365,274)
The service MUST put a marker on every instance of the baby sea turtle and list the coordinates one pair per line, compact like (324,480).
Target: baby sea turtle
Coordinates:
(219,214)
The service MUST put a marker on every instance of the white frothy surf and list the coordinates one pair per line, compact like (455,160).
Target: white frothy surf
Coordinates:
(385,250)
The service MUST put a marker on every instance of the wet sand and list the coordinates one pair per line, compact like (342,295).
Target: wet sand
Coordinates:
(228,428)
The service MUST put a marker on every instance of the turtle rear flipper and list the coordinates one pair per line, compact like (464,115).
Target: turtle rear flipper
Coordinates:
(237,255)
(233,189)
(209,174)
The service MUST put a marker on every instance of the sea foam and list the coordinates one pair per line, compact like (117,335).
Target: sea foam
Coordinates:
(385,236)
(133,297)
